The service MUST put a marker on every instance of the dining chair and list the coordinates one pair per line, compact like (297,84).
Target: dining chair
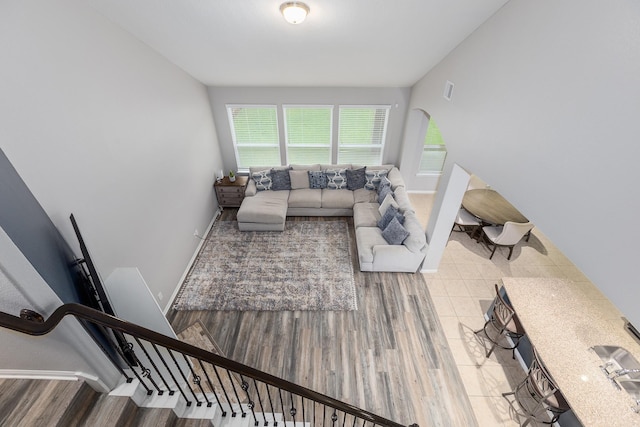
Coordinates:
(466,222)
(503,323)
(507,235)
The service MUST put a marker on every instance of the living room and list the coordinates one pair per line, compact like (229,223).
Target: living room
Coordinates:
(99,124)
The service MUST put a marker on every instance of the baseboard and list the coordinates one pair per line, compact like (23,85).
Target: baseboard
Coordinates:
(190,263)
(92,380)
(431,270)
(421,191)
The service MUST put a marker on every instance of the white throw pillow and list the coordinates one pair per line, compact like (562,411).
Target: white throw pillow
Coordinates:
(388,201)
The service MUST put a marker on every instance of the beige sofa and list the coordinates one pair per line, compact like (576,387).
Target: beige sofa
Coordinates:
(267,210)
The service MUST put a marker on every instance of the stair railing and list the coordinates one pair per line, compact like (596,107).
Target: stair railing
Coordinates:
(163,364)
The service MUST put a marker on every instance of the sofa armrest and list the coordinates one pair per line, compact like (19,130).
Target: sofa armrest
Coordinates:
(396,258)
(395,177)
(251,189)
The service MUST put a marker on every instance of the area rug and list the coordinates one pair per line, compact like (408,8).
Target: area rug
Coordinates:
(196,334)
(305,267)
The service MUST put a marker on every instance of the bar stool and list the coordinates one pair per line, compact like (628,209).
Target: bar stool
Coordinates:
(504,321)
(538,395)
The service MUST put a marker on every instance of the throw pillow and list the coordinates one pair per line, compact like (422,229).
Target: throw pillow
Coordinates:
(392,212)
(373,178)
(384,183)
(299,179)
(280,179)
(383,193)
(262,180)
(356,178)
(388,201)
(395,233)
(317,179)
(336,179)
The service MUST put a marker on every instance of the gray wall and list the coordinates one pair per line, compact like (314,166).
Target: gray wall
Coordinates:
(220,96)
(99,125)
(545,110)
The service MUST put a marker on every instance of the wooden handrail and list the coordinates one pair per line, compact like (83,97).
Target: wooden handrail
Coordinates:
(39,328)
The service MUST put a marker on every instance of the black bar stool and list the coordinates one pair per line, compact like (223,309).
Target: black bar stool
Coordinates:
(538,395)
(505,324)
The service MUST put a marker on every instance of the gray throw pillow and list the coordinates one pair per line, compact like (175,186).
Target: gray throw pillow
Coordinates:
(280,179)
(395,233)
(391,212)
(336,179)
(317,179)
(384,182)
(373,178)
(355,178)
(299,179)
(262,180)
(383,193)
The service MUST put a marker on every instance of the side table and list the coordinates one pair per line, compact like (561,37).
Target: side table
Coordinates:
(230,194)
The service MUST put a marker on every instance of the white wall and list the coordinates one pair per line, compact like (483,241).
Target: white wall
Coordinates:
(220,96)
(545,109)
(99,125)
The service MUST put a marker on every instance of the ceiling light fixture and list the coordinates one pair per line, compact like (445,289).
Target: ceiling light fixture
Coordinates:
(294,12)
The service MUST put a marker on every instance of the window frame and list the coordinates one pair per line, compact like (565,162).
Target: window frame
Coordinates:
(330,107)
(229,107)
(381,146)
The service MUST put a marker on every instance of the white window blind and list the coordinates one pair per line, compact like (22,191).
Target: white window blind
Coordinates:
(434,151)
(308,133)
(254,130)
(362,134)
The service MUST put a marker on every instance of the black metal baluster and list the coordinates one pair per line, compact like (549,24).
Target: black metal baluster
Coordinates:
(354,420)
(250,404)
(273,412)
(293,410)
(198,403)
(197,381)
(344,419)
(235,391)
(334,417)
(284,414)
(255,384)
(175,381)
(324,414)
(107,353)
(160,392)
(142,383)
(146,372)
(213,390)
(304,418)
(224,390)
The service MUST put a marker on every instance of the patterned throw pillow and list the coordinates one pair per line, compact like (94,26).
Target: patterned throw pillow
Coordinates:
(355,178)
(336,179)
(280,179)
(262,180)
(373,178)
(395,233)
(317,179)
(391,212)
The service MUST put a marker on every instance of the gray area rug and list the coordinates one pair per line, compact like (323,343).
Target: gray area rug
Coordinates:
(305,267)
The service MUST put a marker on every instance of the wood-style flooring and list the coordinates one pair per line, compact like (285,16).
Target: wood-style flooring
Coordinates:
(389,357)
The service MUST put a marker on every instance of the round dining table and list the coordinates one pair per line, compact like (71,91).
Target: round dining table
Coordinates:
(491,207)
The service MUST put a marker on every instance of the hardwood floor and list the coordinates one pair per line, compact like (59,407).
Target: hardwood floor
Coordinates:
(389,357)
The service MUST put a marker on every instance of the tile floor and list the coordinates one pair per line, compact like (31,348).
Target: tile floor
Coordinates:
(462,290)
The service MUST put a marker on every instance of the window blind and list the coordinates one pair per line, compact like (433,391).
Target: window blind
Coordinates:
(308,133)
(362,134)
(255,136)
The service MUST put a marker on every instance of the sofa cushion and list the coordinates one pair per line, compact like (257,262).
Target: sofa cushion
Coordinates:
(373,178)
(401,196)
(262,179)
(417,238)
(395,233)
(305,198)
(365,215)
(336,179)
(396,179)
(317,179)
(388,201)
(266,207)
(362,195)
(280,180)
(391,212)
(299,179)
(344,166)
(355,178)
(332,199)
(367,238)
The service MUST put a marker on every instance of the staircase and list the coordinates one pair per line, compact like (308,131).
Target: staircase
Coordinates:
(165,382)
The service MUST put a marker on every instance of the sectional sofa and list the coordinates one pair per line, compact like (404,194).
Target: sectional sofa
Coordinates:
(388,234)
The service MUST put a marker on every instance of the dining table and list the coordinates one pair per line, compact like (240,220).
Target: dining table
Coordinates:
(488,205)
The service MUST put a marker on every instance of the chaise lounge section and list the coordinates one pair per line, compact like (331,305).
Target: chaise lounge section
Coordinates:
(273,193)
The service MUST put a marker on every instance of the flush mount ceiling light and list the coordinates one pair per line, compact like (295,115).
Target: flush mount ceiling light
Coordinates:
(294,12)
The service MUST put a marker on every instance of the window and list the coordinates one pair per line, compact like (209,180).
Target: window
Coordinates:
(434,151)
(308,133)
(254,130)
(362,134)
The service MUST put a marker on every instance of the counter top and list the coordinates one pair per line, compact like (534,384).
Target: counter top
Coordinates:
(563,319)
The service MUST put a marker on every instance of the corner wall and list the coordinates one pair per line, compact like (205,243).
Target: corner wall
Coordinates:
(545,110)
(99,125)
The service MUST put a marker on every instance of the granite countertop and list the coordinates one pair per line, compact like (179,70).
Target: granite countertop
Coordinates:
(563,319)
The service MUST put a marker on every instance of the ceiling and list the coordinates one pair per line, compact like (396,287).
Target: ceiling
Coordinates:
(342,43)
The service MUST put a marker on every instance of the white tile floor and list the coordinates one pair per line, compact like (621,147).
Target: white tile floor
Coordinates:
(462,289)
